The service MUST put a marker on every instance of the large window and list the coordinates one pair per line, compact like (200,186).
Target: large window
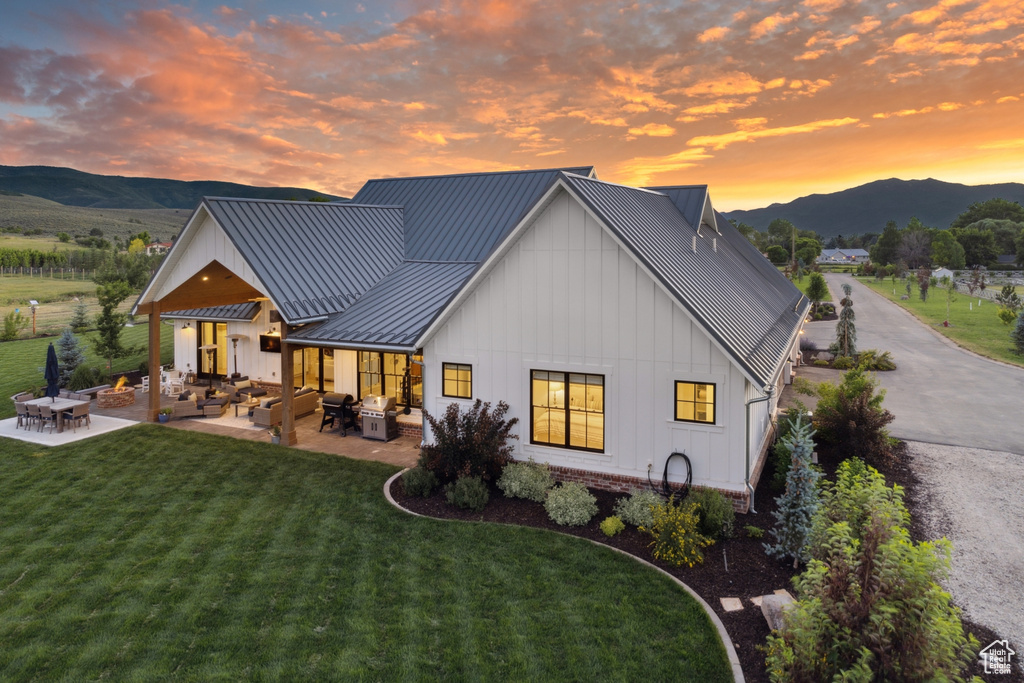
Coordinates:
(457,380)
(390,374)
(695,402)
(567,410)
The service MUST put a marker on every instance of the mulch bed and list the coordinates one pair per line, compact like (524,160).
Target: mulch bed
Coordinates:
(737,567)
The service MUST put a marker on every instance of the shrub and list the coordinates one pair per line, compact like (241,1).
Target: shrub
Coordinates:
(638,508)
(851,420)
(817,316)
(85,377)
(843,363)
(70,354)
(870,359)
(470,443)
(808,345)
(716,514)
(612,525)
(676,538)
(1007,316)
(754,531)
(468,493)
(527,480)
(1018,334)
(781,454)
(419,482)
(570,504)
(796,507)
(13,324)
(869,604)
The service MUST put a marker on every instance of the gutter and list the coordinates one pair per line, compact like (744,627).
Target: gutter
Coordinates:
(746,482)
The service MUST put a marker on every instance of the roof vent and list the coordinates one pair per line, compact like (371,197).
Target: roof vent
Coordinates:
(694,247)
(714,244)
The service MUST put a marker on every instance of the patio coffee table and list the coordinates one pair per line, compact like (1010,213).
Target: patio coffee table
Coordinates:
(251,403)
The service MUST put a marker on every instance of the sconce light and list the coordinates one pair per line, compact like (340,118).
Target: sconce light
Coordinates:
(273,330)
(186,325)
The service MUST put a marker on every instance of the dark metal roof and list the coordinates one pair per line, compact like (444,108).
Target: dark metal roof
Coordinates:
(733,292)
(314,258)
(233,313)
(460,217)
(396,311)
(689,199)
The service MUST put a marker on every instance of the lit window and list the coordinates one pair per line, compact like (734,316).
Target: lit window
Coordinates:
(573,419)
(458,380)
(695,402)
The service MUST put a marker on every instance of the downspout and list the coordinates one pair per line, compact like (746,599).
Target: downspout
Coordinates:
(767,396)
(423,412)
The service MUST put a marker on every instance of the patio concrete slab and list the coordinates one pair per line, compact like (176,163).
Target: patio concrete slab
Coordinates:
(101,424)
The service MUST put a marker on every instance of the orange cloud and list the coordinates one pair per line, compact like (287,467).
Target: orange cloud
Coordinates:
(657,130)
(713,34)
(769,24)
(750,134)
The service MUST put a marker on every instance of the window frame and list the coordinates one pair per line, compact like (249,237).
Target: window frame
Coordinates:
(568,411)
(444,367)
(713,403)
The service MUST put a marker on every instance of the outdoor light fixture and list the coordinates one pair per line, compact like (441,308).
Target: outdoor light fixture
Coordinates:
(234,344)
(34,304)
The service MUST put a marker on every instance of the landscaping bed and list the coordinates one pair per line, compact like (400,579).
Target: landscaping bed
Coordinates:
(750,571)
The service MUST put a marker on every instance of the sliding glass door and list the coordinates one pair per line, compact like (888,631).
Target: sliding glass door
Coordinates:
(314,367)
(212,364)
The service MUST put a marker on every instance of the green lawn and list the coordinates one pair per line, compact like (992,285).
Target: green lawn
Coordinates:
(804,282)
(975,328)
(152,553)
(18,290)
(22,361)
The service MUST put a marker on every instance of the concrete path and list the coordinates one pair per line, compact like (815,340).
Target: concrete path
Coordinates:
(939,393)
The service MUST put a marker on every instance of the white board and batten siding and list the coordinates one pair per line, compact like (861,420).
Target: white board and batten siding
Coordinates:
(566,297)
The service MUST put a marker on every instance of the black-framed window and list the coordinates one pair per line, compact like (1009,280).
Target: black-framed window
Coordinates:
(695,402)
(390,374)
(457,380)
(567,410)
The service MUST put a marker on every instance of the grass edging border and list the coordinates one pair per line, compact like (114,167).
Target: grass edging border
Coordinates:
(723,634)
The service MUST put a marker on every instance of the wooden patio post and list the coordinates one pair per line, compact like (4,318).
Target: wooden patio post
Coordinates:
(154,362)
(288,436)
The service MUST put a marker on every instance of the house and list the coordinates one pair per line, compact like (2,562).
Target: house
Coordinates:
(844,256)
(940,273)
(158,248)
(620,324)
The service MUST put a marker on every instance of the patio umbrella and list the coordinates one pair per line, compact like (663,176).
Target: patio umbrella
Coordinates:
(52,374)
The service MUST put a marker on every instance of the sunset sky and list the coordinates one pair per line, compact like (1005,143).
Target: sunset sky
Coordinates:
(764,101)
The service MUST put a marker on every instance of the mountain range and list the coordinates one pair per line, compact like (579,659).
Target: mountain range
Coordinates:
(77,188)
(867,208)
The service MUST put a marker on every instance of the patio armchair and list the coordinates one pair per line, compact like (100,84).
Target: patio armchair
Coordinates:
(46,414)
(76,415)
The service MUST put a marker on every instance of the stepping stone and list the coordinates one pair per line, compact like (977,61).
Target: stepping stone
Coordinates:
(756,600)
(773,606)
(731,604)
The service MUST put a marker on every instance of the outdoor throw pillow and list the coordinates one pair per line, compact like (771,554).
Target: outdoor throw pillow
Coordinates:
(244,384)
(184,396)
(265,403)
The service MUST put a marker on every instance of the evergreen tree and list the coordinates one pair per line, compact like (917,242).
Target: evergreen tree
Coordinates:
(846,331)
(799,503)
(80,320)
(817,290)
(1018,334)
(110,323)
(885,250)
(70,354)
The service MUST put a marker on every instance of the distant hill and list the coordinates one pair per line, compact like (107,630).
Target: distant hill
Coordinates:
(868,208)
(76,188)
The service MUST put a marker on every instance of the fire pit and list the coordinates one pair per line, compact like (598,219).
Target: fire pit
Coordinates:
(118,396)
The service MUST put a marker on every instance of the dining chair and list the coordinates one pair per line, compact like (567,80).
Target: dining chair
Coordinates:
(47,415)
(22,411)
(76,414)
(33,414)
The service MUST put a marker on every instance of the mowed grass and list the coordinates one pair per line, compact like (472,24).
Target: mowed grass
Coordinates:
(976,328)
(803,283)
(154,554)
(56,299)
(22,362)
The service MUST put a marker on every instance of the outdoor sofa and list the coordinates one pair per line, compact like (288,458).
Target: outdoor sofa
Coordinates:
(191,405)
(240,389)
(270,411)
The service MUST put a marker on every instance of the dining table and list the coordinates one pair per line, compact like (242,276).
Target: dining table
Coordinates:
(58,406)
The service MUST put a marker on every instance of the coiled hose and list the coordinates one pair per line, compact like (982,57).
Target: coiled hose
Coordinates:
(666,490)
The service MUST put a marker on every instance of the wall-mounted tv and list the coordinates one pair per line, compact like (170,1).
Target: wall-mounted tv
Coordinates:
(270,343)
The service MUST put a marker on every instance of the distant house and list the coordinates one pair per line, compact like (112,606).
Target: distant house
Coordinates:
(940,273)
(158,248)
(620,324)
(844,256)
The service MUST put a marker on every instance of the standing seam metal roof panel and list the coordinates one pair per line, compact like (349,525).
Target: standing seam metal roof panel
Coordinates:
(316,258)
(463,217)
(232,312)
(748,308)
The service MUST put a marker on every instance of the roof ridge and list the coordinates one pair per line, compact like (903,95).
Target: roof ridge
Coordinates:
(296,202)
(557,169)
(619,185)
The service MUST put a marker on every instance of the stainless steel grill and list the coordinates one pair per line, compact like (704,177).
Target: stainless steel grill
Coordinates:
(379,418)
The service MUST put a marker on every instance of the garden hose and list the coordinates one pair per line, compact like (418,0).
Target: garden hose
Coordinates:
(666,490)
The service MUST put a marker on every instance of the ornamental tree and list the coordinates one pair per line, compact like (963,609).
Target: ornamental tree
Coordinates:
(70,354)
(846,331)
(799,503)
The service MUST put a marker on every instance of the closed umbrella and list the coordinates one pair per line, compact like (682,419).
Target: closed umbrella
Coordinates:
(52,374)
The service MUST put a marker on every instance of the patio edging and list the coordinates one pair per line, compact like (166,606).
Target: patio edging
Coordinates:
(723,634)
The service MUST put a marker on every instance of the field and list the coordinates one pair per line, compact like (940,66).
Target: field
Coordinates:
(972,326)
(56,297)
(33,212)
(155,553)
(22,361)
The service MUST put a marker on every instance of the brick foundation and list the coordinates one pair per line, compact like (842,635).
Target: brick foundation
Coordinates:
(414,429)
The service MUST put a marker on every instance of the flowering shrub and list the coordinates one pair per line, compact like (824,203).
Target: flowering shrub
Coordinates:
(527,480)
(676,539)
(637,509)
(612,525)
(570,504)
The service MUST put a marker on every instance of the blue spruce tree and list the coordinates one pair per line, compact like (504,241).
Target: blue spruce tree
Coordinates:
(70,354)
(800,501)
(1017,335)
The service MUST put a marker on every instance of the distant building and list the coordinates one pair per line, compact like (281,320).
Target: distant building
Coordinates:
(158,248)
(844,256)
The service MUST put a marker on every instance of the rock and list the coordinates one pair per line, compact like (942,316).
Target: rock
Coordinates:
(773,606)
(731,604)
(904,297)
(825,356)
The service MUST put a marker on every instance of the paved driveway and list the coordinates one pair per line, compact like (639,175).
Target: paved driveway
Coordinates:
(939,393)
